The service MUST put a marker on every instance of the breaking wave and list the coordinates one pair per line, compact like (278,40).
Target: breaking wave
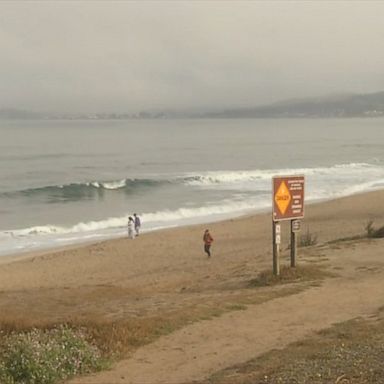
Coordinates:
(151,219)
(213,179)
(217,178)
(249,191)
(88,189)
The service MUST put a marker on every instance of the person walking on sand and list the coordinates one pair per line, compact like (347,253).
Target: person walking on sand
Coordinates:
(137,224)
(131,224)
(208,239)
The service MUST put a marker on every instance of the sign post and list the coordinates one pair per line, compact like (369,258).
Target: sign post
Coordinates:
(288,204)
(295,227)
(276,247)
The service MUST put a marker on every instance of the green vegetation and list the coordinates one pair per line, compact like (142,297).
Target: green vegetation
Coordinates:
(46,356)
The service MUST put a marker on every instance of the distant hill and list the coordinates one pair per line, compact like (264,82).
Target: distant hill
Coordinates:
(366,105)
(14,113)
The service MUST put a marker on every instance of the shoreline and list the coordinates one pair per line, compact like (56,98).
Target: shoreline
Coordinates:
(38,252)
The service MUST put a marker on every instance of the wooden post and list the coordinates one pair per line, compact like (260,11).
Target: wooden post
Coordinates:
(276,247)
(293,245)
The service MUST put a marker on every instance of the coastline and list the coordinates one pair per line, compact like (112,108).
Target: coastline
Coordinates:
(328,219)
(312,223)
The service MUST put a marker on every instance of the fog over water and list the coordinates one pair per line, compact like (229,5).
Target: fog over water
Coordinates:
(116,56)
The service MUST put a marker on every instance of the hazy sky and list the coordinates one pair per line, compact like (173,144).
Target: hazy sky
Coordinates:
(116,56)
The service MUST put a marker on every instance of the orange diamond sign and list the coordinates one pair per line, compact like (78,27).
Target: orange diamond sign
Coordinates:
(288,197)
(282,197)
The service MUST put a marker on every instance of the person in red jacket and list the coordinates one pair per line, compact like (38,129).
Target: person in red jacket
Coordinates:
(207,238)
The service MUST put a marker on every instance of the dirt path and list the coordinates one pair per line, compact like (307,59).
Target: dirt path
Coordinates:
(200,349)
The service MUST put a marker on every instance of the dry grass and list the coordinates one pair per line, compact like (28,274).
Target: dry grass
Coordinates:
(370,232)
(113,338)
(290,275)
(119,337)
(307,239)
(350,352)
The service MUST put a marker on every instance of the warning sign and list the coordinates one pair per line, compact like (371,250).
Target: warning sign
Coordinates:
(282,197)
(288,197)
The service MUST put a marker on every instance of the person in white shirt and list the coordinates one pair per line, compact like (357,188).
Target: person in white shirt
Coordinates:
(131,224)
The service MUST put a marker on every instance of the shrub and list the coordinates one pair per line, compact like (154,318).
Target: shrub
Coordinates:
(369,228)
(379,233)
(46,356)
(307,239)
(372,232)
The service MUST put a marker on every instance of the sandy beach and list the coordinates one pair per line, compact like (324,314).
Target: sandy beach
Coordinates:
(167,271)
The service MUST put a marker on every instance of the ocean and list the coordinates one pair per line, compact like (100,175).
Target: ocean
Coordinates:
(70,181)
